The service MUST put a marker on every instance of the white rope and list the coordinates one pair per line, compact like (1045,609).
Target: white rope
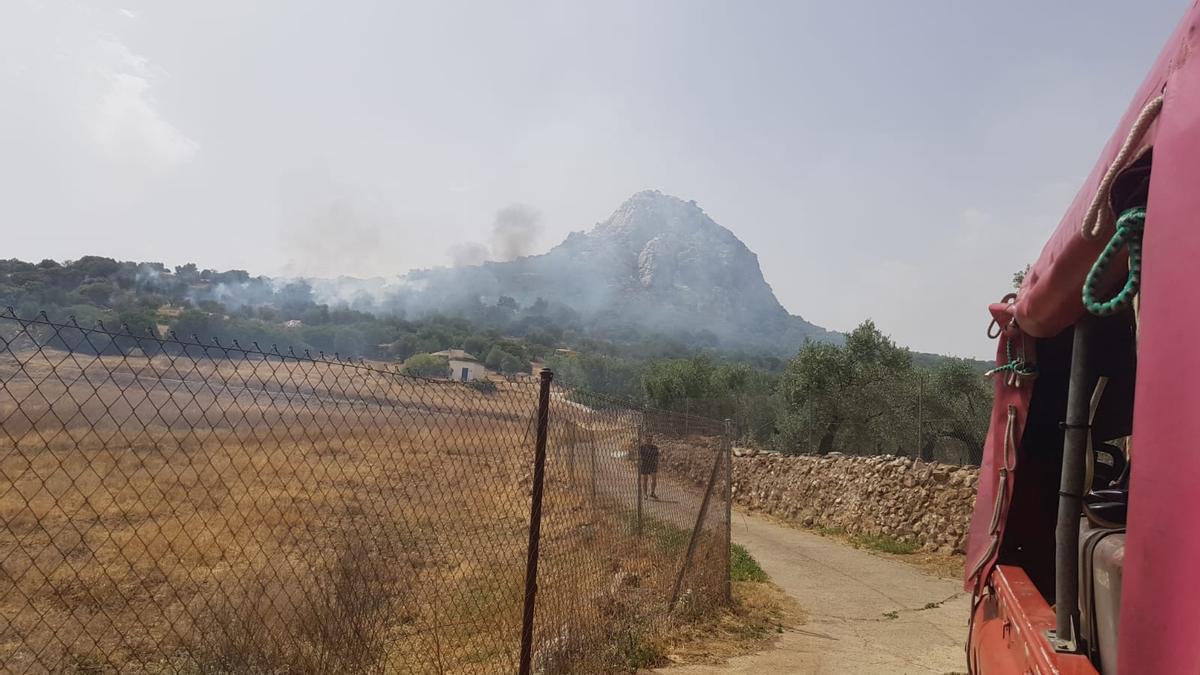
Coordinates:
(1100,216)
(1010,445)
(1010,453)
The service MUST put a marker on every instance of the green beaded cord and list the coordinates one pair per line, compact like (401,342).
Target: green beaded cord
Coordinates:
(1129,234)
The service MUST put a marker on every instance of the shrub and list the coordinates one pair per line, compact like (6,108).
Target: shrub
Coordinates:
(337,622)
(743,566)
(427,365)
(483,386)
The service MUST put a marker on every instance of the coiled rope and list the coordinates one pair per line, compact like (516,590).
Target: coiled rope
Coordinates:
(1130,226)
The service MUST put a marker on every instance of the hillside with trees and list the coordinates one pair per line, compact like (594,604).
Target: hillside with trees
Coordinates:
(204,304)
(866,396)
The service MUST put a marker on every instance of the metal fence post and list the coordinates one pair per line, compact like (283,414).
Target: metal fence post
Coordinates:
(691,549)
(728,512)
(637,483)
(592,446)
(535,521)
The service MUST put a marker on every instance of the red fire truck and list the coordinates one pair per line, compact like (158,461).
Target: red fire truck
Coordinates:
(1085,540)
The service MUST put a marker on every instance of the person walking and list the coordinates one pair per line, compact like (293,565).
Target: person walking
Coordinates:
(648,466)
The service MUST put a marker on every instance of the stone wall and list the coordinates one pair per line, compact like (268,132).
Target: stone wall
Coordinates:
(922,503)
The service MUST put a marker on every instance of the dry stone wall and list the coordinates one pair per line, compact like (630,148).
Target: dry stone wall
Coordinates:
(922,503)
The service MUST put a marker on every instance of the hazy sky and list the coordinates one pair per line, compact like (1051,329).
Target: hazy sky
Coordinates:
(894,160)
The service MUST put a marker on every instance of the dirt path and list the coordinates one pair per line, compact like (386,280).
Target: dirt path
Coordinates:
(864,613)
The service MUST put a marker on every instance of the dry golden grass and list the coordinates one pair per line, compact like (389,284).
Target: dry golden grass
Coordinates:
(147,507)
(125,549)
(760,612)
(170,515)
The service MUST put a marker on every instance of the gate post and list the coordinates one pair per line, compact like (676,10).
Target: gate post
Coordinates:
(691,549)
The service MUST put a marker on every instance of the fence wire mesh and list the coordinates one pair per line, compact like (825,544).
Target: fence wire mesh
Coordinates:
(172,506)
(615,544)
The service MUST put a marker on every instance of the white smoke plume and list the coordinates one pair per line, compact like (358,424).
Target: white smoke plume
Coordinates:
(468,254)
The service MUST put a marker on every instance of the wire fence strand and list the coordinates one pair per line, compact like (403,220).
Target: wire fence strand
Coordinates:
(184,507)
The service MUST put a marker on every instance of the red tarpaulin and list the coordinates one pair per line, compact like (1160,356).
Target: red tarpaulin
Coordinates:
(1160,624)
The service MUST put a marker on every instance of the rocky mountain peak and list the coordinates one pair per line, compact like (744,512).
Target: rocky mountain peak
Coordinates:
(659,262)
(650,213)
(670,246)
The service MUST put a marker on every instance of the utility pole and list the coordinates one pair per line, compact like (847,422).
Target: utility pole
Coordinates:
(920,414)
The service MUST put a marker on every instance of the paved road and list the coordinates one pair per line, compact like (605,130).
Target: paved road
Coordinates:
(849,597)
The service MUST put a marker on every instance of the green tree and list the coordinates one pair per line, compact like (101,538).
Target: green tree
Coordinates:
(510,365)
(475,345)
(349,342)
(670,383)
(193,323)
(98,293)
(852,398)
(96,267)
(956,404)
(494,358)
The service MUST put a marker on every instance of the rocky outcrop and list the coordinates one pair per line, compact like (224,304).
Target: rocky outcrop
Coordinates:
(658,262)
(923,503)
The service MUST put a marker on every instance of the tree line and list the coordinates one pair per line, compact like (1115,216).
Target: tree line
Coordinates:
(866,397)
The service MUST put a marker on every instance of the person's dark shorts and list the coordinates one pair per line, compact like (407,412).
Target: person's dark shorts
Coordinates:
(648,459)
(648,465)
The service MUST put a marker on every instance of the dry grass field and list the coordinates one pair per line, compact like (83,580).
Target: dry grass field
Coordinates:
(166,513)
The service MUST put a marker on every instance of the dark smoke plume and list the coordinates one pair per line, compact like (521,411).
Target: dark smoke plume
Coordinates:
(515,232)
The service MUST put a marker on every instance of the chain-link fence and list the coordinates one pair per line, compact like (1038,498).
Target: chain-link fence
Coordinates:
(172,506)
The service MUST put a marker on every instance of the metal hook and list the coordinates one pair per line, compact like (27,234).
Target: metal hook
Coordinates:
(993,335)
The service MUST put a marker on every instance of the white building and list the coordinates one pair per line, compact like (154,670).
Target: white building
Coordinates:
(463,366)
